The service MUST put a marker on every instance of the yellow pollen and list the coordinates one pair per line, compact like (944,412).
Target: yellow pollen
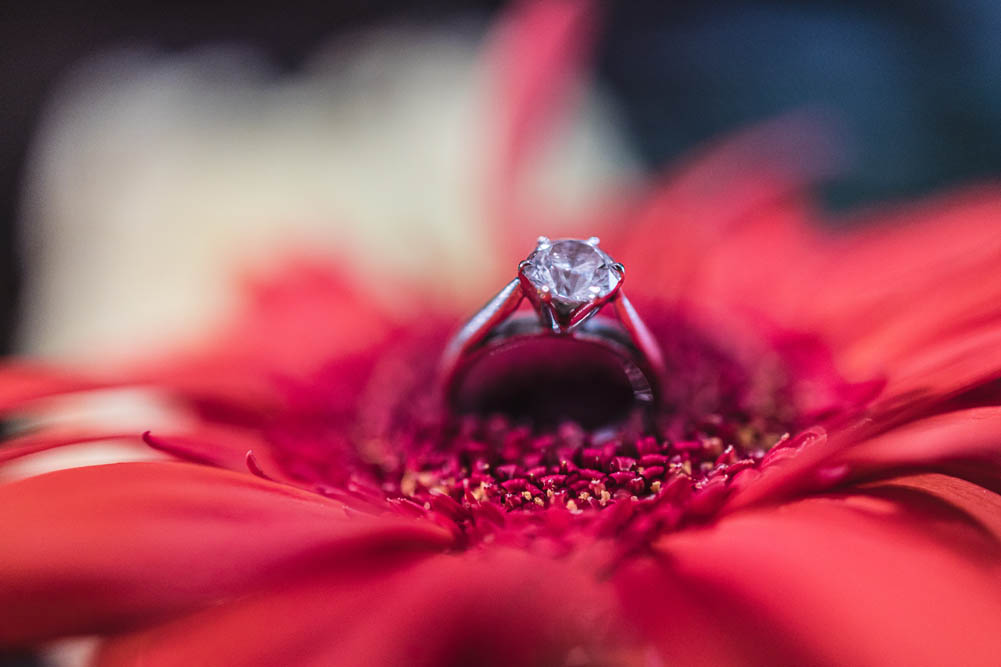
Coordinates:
(408,485)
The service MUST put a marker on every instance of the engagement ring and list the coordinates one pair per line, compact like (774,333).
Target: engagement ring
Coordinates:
(579,366)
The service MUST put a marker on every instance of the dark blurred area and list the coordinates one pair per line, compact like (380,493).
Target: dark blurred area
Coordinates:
(917,86)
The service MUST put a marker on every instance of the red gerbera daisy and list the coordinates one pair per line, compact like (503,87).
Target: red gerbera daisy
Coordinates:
(822,489)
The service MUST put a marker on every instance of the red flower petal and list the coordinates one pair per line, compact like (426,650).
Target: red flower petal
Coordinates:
(100,549)
(943,370)
(667,238)
(307,314)
(959,505)
(913,299)
(22,384)
(537,49)
(40,441)
(964,435)
(927,273)
(500,607)
(848,581)
(956,442)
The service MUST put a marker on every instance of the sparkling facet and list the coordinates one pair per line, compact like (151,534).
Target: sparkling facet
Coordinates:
(573,272)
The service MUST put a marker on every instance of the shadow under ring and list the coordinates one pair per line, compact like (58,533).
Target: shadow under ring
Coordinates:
(594,377)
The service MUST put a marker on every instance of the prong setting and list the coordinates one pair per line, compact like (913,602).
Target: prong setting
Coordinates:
(569,280)
(545,295)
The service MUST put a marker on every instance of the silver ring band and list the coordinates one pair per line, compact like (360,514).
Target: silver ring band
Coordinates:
(562,330)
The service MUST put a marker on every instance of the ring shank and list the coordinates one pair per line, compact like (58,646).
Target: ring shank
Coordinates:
(594,373)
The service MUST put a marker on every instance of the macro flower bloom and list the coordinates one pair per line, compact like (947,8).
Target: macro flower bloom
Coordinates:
(822,486)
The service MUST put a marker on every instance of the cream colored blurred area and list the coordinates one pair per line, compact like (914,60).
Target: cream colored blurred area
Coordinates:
(157,179)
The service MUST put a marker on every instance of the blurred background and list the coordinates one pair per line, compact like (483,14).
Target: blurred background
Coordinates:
(147,149)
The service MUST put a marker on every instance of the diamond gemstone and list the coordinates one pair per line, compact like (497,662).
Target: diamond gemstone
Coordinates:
(573,271)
